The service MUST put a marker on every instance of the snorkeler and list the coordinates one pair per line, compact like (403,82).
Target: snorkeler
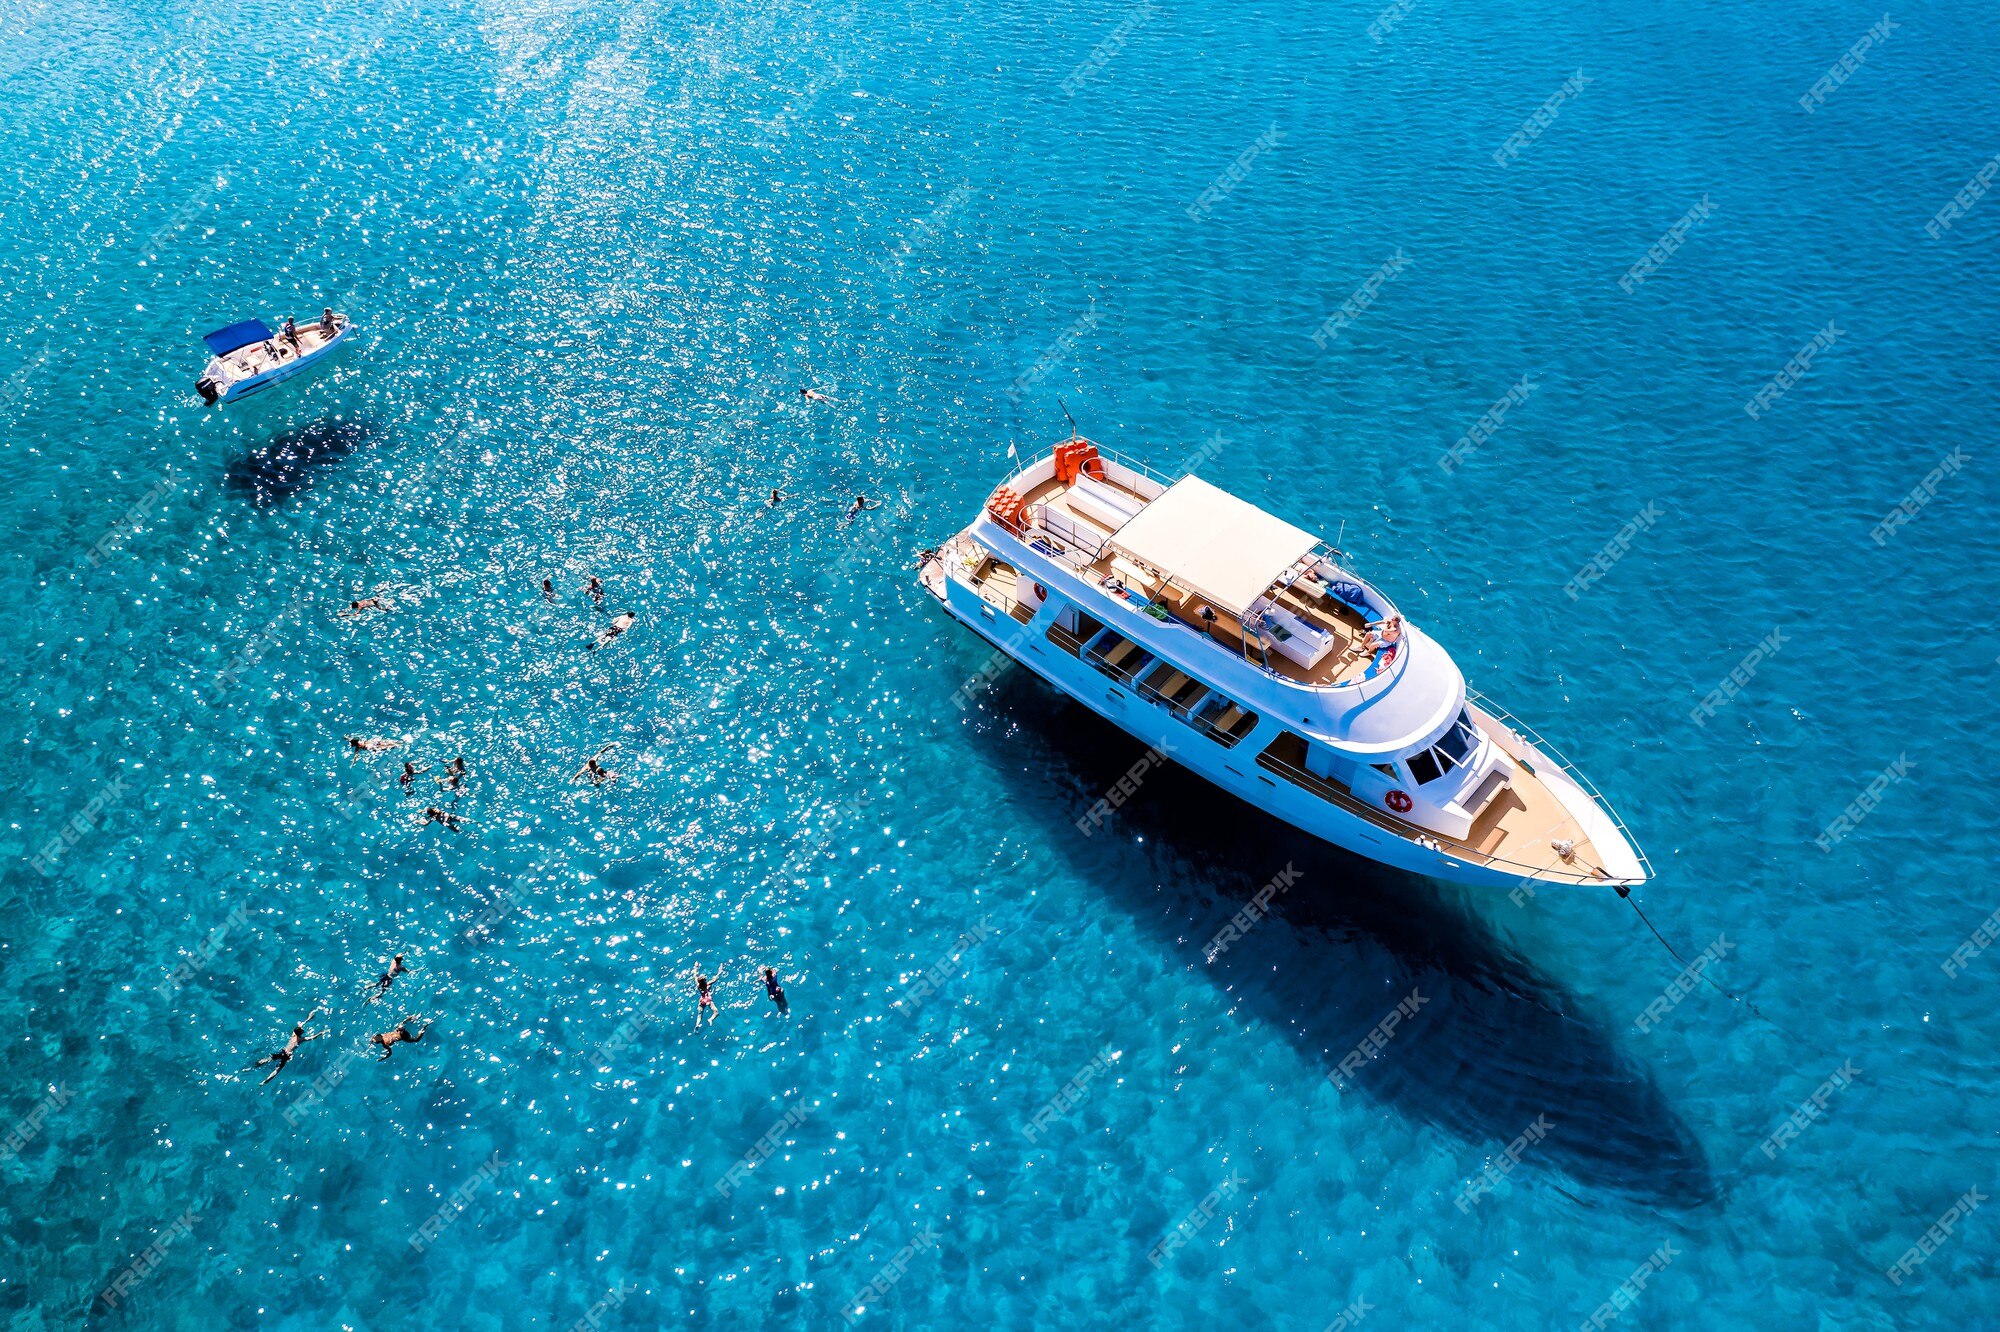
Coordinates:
(775,990)
(704,987)
(594,770)
(618,626)
(388,978)
(284,1056)
(398,1034)
(370,744)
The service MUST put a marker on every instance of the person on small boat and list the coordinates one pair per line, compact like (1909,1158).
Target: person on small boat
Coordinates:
(327,323)
(775,990)
(371,744)
(617,627)
(282,1057)
(291,332)
(398,1034)
(452,822)
(388,978)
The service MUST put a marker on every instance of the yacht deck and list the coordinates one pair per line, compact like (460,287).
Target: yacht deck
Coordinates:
(1520,827)
(1084,542)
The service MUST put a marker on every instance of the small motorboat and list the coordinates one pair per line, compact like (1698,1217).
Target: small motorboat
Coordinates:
(249,357)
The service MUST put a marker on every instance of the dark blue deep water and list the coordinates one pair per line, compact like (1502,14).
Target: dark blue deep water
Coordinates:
(595,251)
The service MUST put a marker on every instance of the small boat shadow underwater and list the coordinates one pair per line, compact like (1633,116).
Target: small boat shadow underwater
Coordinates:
(1493,1049)
(293,461)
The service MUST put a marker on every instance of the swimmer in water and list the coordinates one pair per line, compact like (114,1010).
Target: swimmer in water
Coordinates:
(775,990)
(862,504)
(365,606)
(283,1057)
(594,770)
(704,987)
(454,776)
(549,588)
(777,498)
(596,590)
(370,744)
(398,1034)
(618,626)
(410,773)
(454,822)
(388,978)
(814,395)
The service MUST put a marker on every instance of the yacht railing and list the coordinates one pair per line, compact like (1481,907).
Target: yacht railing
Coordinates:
(1570,770)
(1122,674)
(1183,715)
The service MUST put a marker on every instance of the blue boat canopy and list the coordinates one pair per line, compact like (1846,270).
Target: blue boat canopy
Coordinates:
(226,340)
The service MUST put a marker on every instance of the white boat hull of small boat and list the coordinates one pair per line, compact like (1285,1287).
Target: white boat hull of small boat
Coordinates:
(236,375)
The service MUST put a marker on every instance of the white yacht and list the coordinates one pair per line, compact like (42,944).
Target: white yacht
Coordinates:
(248,357)
(1246,649)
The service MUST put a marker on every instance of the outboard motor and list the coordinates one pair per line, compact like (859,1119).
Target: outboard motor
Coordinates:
(208,389)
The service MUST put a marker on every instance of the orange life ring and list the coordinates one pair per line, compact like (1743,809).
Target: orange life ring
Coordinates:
(1399,801)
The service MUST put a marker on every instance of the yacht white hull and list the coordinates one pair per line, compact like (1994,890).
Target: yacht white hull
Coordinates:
(1150,726)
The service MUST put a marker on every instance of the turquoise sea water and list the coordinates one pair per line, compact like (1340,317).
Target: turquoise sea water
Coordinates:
(595,252)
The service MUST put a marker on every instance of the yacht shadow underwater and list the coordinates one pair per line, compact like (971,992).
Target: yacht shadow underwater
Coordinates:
(292,462)
(1491,1051)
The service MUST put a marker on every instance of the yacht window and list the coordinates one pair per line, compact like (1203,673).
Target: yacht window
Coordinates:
(1384,769)
(1424,768)
(1459,741)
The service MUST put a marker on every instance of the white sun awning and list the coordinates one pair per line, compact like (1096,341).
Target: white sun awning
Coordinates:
(1210,542)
